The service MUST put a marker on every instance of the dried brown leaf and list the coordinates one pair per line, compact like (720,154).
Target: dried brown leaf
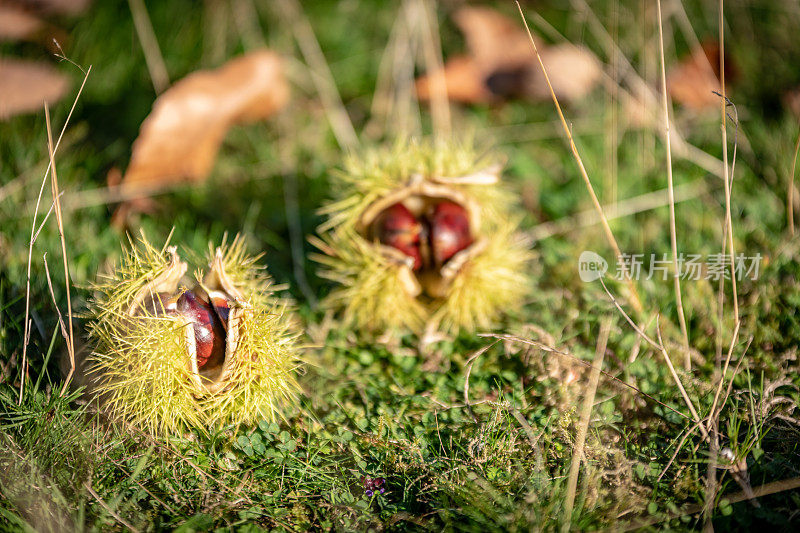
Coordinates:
(501,64)
(26,85)
(60,7)
(493,40)
(463,79)
(693,81)
(17,24)
(574,71)
(180,138)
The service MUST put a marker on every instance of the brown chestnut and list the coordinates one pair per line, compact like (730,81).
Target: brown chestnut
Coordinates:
(209,331)
(450,232)
(398,227)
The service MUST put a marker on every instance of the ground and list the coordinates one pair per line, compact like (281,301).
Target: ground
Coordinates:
(462,439)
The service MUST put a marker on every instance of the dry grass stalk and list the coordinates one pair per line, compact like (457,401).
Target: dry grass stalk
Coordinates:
(724,371)
(245,17)
(640,90)
(634,294)
(726,178)
(64,330)
(684,438)
(619,209)
(583,424)
(671,192)
(60,222)
(678,382)
(320,74)
(394,104)
(35,234)
(434,63)
(152,53)
(711,486)
(660,347)
(790,191)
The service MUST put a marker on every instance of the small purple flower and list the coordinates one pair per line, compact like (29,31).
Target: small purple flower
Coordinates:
(371,485)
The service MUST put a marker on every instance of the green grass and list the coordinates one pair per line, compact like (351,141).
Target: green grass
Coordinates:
(397,410)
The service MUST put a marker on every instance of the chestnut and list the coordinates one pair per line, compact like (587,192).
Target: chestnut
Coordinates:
(397,227)
(170,355)
(450,232)
(221,307)
(209,331)
(420,235)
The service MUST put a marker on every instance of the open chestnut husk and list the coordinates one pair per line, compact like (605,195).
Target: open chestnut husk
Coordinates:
(172,353)
(421,233)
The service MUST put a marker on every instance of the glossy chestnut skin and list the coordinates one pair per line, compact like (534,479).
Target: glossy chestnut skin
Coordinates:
(450,231)
(397,227)
(209,330)
(222,309)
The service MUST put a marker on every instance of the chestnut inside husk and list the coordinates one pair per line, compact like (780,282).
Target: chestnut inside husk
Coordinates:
(211,309)
(430,229)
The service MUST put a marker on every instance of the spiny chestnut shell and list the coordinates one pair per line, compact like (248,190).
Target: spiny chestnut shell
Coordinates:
(146,366)
(470,279)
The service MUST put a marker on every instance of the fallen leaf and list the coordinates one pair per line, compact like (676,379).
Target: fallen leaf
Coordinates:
(573,71)
(26,85)
(464,81)
(17,23)
(60,7)
(501,64)
(493,40)
(180,138)
(693,81)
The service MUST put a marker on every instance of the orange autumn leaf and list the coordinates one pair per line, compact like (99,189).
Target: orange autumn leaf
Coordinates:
(573,71)
(464,81)
(17,24)
(180,138)
(26,85)
(693,81)
(55,7)
(501,64)
(494,40)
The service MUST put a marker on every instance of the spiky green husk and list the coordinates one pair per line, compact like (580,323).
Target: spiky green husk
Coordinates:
(259,387)
(143,377)
(140,364)
(370,175)
(490,284)
(245,272)
(371,289)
